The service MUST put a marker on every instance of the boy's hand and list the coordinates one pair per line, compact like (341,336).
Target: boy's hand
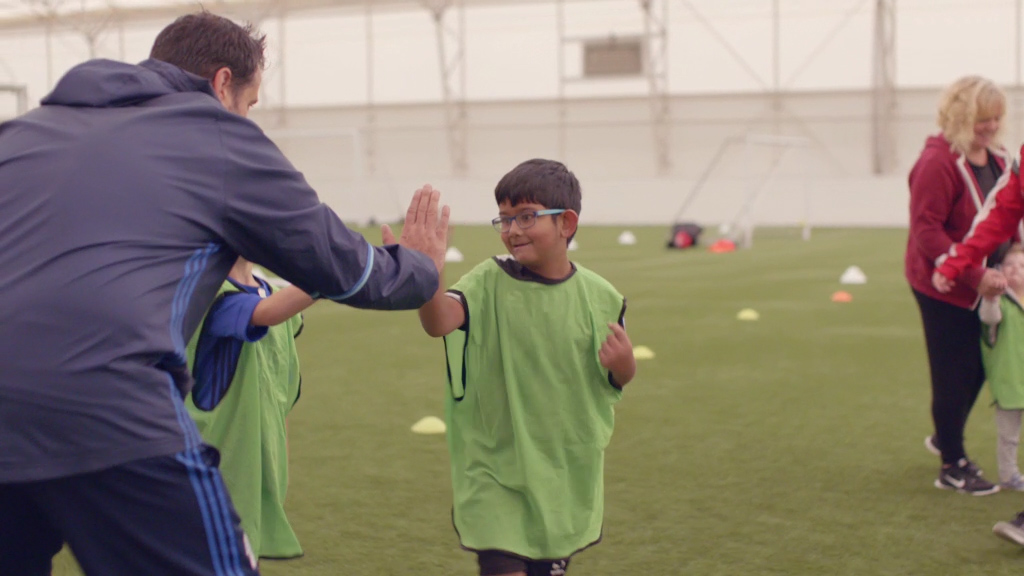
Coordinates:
(616,355)
(992,284)
(423,230)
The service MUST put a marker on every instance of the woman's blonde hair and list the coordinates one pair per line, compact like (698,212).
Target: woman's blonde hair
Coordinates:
(965,102)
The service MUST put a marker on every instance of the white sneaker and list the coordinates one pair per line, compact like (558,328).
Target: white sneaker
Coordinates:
(1011,531)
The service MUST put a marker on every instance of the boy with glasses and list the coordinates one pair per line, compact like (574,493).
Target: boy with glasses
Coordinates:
(537,355)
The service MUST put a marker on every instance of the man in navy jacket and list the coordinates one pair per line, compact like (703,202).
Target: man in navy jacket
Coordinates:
(124,200)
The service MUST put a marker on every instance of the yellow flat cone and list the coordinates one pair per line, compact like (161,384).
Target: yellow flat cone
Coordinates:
(429,425)
(842,296)
(642,353)
(748,314)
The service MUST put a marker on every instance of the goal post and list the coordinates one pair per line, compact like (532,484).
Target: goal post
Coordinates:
(19,94)
(744,220)
(750,183)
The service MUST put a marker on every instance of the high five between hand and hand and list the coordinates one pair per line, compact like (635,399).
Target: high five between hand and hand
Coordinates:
(423,229)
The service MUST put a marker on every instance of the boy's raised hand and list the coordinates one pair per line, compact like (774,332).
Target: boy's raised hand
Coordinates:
(616,355)
(423,229)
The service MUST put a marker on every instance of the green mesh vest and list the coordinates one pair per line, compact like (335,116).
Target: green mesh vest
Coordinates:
(248,428)
(530,411)
(1002,353)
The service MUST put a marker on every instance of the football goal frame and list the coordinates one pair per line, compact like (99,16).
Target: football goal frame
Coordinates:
(20,93)
(742,224)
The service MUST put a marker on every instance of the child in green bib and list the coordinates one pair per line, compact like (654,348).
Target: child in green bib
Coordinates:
(1002,353)
(537,355)
(246,371)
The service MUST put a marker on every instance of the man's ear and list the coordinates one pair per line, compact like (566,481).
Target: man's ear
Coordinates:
(222,83)
(570,221)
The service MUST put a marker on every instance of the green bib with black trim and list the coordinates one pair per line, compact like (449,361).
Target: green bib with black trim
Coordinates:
(248,428)
(530,411)
(1002,354)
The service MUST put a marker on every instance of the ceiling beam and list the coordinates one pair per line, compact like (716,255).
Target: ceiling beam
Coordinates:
(47,13)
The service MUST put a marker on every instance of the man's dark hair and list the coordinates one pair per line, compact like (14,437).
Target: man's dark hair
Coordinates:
(203,43)
(545,182)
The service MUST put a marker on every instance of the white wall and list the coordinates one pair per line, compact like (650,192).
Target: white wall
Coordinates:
(720,70)
(611,149)
(512,50)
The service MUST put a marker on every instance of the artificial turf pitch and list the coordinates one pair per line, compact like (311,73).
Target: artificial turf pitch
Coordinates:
(787,445)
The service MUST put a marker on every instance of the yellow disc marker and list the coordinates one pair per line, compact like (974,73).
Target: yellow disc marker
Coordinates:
(642,353)
(429,425)
(748,314)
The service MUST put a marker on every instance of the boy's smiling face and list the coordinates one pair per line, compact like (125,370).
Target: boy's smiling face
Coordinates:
(543,247)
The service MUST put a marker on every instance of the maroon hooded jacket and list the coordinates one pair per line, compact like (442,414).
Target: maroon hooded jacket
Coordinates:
(944,200)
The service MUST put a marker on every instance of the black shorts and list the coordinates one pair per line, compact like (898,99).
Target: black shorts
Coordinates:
(496,562)
(168,515)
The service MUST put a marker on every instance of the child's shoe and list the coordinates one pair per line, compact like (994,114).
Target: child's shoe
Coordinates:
(1011,531)
(1016,482)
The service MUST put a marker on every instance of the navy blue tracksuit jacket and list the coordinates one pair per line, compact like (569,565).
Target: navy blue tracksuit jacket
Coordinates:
(124,200)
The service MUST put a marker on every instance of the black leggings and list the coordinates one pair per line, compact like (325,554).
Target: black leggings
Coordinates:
(953,337)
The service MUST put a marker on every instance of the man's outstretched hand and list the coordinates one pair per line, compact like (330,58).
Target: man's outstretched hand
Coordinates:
(423,229)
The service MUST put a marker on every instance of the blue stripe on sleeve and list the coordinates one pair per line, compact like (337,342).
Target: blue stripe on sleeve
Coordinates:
(370,254)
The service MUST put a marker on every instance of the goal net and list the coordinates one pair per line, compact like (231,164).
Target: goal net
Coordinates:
(755,180)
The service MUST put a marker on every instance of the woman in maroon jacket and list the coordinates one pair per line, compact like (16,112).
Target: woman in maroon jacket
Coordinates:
(948,186)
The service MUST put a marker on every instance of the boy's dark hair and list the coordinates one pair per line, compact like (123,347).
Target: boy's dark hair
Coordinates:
(545,182)
(203,43)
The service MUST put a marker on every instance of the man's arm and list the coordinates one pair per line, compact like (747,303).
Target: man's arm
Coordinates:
(273,217)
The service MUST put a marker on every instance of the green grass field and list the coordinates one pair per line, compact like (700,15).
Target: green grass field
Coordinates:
(791,445)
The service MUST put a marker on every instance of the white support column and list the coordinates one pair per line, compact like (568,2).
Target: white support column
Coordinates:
(563,110)
(656,69)
(883,102)
(451,50)
(122,54)
(777,107)
(92,27)
(370,133)
(282,68)
(1018,97)
(50,81)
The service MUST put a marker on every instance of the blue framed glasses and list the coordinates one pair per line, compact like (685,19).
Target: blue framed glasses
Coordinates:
(524,219)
